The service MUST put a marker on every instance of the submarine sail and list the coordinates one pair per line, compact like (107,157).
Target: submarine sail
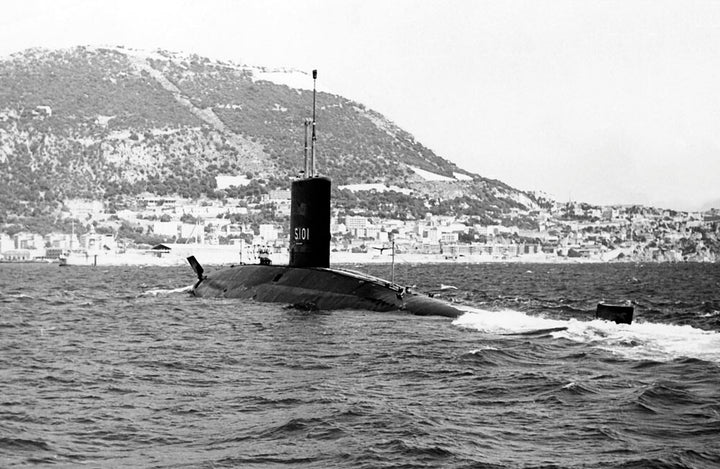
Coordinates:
(310,222)
(308,281)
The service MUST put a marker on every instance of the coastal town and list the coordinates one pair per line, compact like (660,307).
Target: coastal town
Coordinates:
(164,170)
(233,231)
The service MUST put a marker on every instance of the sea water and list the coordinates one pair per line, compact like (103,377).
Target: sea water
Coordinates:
(120,367)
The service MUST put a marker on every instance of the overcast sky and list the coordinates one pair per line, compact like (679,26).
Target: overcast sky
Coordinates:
(598,101)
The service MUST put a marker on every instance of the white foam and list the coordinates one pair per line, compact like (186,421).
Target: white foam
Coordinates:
(637,341)
(481,349)
(171,291)
(505,322)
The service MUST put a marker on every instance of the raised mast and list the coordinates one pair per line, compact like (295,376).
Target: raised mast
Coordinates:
(306,170)
(314,137)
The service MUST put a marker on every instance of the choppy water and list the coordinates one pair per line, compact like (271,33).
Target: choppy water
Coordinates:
(112,368)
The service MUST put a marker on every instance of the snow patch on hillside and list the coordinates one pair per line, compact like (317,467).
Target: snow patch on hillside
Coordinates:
(428,176)
(462,177)
(518,197)
(223,182)
(375,187)
(141,53)
(288,77)
(281,76)
(380,121)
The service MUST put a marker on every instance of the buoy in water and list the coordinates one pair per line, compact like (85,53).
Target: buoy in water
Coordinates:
(620,314)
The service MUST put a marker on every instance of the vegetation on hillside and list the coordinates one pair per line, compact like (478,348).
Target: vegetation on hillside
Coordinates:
(108,123)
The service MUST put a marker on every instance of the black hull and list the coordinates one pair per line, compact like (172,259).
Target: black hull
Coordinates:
(621,314)
(318,288)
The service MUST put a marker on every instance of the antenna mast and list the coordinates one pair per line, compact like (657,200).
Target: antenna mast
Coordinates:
(392,264)
(314,138)
(306,172)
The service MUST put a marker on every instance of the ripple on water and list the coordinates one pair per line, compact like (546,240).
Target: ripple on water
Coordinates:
(95,372)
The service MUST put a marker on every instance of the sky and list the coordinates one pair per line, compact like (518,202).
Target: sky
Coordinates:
(605,102)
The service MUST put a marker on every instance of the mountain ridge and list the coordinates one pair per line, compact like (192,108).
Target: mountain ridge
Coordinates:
(112,122)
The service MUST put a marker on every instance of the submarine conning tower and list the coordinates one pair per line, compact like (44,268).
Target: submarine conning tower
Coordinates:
(310,222)
(310,209)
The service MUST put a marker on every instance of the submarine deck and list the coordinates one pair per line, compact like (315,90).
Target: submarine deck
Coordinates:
(319,288)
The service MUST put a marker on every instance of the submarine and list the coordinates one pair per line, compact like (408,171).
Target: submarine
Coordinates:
(308,281)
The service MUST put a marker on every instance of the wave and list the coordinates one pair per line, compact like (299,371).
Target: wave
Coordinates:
(169,291)
(23,444)
(637,341)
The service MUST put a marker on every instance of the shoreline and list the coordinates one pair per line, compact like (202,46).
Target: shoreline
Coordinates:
(351,258)
(227,257)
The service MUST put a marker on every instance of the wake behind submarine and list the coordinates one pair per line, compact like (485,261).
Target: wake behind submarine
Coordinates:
(308,281)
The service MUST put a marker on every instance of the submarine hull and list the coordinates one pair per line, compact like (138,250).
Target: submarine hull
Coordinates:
(318,288)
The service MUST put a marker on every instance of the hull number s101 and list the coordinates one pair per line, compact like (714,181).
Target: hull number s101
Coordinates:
(302,234)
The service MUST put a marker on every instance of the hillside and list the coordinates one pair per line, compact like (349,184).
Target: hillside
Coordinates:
(106,123)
